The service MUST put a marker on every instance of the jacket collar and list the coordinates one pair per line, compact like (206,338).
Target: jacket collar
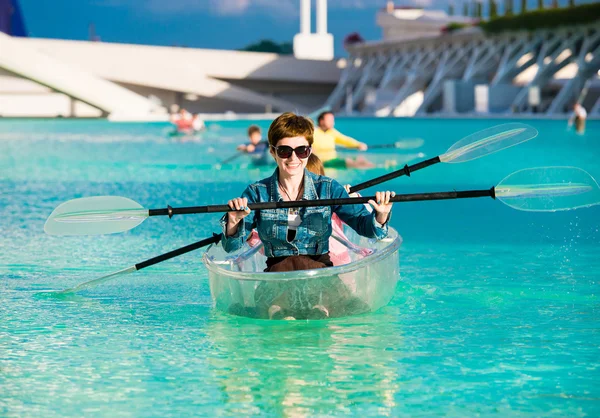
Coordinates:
(310,192)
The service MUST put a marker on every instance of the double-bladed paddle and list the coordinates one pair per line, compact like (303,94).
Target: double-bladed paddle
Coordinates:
(112,214)
(545,189)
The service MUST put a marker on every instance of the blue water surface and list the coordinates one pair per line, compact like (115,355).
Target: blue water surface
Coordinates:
(496,313)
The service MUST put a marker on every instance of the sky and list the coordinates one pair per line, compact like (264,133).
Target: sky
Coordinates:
(222,24)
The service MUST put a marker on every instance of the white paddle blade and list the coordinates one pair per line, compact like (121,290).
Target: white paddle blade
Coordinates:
(549,189)
(488,141)
(95,216)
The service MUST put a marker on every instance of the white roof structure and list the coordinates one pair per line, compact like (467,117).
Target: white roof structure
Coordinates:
(108,76)
(112,99)
(411,23)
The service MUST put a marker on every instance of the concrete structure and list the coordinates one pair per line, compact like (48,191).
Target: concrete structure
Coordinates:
(313,46)
(77,91)
(471,72)
(201,80)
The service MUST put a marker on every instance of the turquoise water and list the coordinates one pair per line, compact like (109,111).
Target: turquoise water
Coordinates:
(497,311)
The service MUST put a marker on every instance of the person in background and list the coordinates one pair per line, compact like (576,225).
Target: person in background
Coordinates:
(186,123)
(255,143)
(256,148)
(578,116)
(326,137)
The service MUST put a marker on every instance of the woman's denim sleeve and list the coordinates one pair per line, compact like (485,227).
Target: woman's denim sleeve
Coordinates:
(245,227)
(357,216)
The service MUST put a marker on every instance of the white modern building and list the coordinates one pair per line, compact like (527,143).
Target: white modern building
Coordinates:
(313,46)
(469,72)
(50,78)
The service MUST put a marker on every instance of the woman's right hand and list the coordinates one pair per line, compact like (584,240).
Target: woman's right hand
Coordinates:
(240,205)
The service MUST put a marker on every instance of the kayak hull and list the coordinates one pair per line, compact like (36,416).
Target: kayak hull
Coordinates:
(365,283)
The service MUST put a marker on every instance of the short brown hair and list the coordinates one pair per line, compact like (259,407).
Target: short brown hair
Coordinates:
(289,125)
(323,114)
(252,129)
(315,165)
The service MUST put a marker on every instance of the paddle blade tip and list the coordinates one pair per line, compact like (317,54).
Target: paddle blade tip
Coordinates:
(489,141)
(96,215)
(549,189)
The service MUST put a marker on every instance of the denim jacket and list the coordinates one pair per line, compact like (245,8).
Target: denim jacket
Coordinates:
(312,236)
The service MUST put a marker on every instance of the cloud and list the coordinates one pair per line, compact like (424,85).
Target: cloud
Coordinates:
(235,7)
(280,9)
(229,7)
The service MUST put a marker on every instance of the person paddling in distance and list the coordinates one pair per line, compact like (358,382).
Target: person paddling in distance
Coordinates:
(297,239)
(255,143)
(256,148)
(327,137)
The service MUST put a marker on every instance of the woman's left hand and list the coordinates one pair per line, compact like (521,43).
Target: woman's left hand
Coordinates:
(383,207)
(347,187)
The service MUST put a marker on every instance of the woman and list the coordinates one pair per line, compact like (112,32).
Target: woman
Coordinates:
(297,239)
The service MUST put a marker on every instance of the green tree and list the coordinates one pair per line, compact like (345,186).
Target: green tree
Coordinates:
(450,9)
(478,9)
(267,45)
(523,6)
(493,7)
(466,8)
(540,5)
(508,7)
(571,3)
(548,18)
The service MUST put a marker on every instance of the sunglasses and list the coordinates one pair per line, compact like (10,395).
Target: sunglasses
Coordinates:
(303,151)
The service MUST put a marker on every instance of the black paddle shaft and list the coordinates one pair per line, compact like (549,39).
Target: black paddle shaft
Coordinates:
(405,171)
(159,258)
(414,197)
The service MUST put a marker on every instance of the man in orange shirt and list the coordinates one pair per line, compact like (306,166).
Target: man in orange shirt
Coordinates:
(325,140)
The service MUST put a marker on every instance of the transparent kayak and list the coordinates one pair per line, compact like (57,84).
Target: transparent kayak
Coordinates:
(364,280)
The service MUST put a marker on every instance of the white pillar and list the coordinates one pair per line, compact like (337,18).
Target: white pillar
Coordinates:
(305,16)
(321,17)
(313,46)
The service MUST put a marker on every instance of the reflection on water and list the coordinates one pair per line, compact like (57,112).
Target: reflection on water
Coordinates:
(306,368)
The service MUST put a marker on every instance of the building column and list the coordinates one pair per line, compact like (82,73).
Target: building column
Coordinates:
(313,46)
(321,17)
(305,16)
